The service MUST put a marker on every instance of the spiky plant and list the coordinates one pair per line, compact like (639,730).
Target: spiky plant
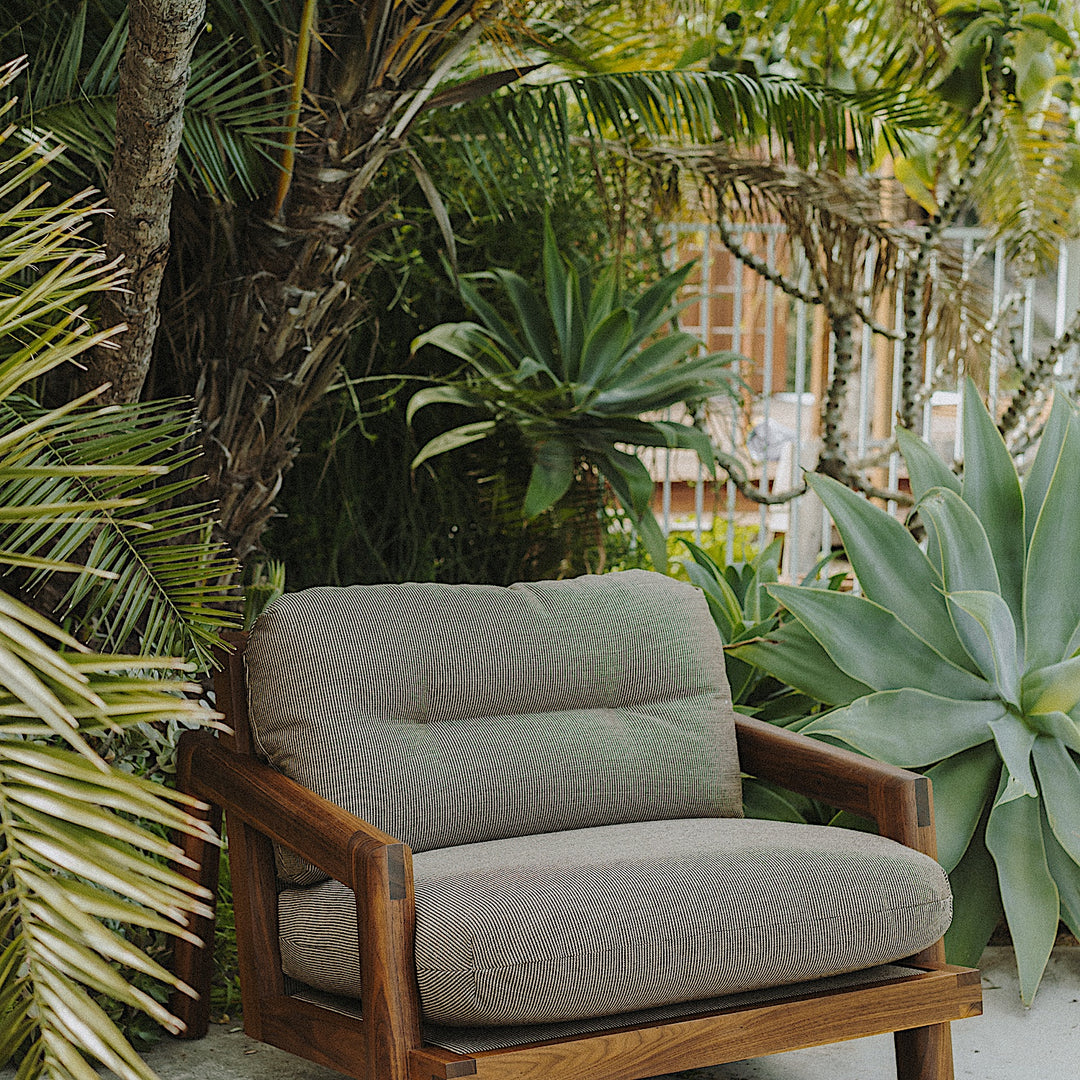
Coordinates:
(82,848)
(574,372)
(963,660)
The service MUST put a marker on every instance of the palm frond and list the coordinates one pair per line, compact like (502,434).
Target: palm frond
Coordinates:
(1025,184)
(536,125)
(74,859)
(233,117)
(100,479)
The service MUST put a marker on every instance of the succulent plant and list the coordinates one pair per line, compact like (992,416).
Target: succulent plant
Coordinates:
(960,656)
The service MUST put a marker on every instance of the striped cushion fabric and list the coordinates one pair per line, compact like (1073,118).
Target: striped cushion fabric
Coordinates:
(450,715)
(607,920)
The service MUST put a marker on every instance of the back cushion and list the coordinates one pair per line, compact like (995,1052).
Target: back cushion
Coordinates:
(453,714)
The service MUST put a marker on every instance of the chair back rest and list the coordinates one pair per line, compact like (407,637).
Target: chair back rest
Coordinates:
(454,714)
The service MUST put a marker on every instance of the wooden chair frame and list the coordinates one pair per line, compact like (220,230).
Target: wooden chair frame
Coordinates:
(265,808)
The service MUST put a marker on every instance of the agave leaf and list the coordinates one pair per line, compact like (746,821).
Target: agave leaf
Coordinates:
(1028,892)
(495,324)
(724,604)
(1066,876)
(1052,599)
(531,314)
(890,566)
(791,654)
(557,286)
(1059,781)
(963,548)
(765,802)
(909,727)
(1063,726)
(1053,689)
(758,603)
(925,469)
(995,650)
(869,643)
(963,785)
(633,486)
(466,341)
(605,346)
(976,902)
(552,475)
(1041,472)
(1014,741)
(992,489)
(451,440)
(439,395)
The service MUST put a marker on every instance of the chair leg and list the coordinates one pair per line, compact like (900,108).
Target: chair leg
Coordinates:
(924,1053)
(193,963)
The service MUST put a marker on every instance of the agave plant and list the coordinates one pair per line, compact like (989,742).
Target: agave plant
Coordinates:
(961,657)
(82,850)
(574,374)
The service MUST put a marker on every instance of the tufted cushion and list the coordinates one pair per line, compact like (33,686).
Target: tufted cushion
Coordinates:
(605,920)
(450,715)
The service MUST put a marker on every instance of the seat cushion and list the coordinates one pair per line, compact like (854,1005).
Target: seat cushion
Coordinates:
(449,715)
(606,920)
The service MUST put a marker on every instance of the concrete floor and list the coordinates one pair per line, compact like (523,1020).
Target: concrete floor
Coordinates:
(1008,1042)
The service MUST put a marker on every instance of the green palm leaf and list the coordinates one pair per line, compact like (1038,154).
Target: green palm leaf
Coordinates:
(174,594)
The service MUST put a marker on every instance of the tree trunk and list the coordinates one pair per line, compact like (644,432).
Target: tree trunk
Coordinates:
(149,124)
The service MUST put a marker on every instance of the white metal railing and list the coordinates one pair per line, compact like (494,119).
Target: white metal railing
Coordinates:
(775,435)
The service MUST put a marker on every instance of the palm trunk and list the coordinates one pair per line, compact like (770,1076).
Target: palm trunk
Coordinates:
(149,124)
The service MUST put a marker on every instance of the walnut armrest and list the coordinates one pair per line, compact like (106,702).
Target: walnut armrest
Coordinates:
(279,808)
(898,800)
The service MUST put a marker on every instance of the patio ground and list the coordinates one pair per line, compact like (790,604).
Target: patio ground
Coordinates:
(1008,1042)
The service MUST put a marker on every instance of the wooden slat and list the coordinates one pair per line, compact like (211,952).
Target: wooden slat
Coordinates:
(929,998)
(317,1034)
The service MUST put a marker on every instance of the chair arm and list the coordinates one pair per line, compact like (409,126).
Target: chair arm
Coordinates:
(898,800)
(279,808)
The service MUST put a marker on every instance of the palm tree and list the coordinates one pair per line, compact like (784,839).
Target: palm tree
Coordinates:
(83,853)
(301,105)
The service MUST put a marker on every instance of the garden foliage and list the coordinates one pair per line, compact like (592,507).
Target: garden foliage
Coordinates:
(84,847)
(961,657)
(576,372)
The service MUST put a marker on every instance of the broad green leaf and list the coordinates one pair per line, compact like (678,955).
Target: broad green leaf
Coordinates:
(872,645)
(552,475)
(1028,892)
(1039,475)
(452,440)
(991,488)
(1047,24)
(557,289)
(1052,598)
(967,558)
(976,902)
(763,801)
(495,324)
(439,395)
(909,727)
(724,604)
(466,341)
(1059,782)
(963,786)
(989,635)
(1014,741)
(531,314)
(925,469)
(604,347)
(759,604)
(890,566)
(633,486)
(1053,689)
(1066,876)
(1059,726)
(792,655)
